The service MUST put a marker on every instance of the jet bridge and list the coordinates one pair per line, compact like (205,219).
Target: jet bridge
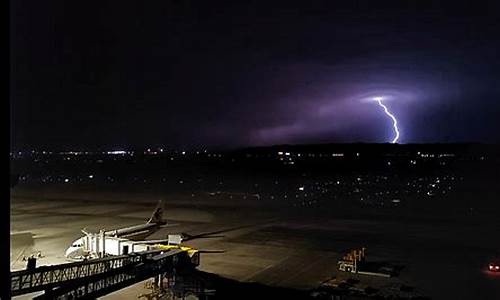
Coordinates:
(98,277)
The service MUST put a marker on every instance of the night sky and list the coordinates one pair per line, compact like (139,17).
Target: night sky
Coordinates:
(186,74)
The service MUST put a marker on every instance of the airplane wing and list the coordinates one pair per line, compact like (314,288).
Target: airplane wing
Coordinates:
(188,237)
(211,251)
(169,225)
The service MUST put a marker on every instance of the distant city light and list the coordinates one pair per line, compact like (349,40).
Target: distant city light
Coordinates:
(117,152)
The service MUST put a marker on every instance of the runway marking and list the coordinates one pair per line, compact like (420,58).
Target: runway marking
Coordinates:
(303,270)
(19,256)
(275,263)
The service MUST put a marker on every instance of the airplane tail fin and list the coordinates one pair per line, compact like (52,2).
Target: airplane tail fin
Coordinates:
(157,216)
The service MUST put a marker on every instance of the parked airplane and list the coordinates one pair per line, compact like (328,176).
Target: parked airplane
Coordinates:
(135,232)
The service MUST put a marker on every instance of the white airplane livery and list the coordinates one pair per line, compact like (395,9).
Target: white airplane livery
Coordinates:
(135,232)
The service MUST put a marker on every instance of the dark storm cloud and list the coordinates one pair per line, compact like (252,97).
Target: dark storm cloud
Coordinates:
(186,74)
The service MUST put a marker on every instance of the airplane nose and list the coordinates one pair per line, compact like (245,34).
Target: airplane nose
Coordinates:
(70,252)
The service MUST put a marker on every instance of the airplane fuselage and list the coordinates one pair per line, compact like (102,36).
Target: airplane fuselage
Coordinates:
(135,231)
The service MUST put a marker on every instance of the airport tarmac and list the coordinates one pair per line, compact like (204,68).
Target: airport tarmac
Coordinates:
(442,260)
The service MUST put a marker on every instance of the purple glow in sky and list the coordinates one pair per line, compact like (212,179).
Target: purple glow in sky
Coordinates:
(280,74)
(330,103)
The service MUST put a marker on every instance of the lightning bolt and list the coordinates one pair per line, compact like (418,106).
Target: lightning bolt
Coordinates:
(394,121)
